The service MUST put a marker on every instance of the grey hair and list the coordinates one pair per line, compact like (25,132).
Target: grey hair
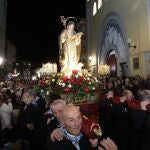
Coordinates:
(58,101)
(125,92)
(144,95)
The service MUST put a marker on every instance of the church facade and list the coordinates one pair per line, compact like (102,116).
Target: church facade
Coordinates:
(118,34)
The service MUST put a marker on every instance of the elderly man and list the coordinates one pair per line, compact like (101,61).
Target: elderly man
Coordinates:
(31,123)
(67,133)
(56,121)
(73,139)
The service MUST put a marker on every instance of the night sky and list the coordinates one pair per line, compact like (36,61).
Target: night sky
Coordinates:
(34,26)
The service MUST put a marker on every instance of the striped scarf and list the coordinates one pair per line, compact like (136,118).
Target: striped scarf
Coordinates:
(74,139)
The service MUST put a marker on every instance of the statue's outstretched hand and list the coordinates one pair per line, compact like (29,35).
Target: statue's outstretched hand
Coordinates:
(80,34)
(77,36)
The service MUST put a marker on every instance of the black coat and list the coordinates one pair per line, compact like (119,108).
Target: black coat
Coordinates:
(40,104)
(65,144)
(37,136)
(28,114)
(141,122)
(141,130)
(122,126)
(53,124)
(105,116)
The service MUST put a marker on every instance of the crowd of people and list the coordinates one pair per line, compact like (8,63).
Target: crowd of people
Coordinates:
(28,122)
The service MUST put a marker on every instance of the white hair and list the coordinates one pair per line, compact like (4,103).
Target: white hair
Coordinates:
(58,101)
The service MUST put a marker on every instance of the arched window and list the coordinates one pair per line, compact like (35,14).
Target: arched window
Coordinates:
(94,8)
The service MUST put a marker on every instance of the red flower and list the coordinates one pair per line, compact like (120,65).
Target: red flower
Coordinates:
(77,85)
(67,90)
(42,83)
(86,90)
(65,79)
(78,82)
(72,81)
(80,78)
(74,72)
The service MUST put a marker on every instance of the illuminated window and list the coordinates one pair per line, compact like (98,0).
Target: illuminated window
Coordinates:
(100,2)
(1,60)
(94,8)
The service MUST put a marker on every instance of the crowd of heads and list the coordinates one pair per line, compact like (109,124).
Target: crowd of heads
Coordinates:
(19,96)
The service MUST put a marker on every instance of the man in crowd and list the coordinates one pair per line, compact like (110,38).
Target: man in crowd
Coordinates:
(48,113)
(37,100)
(141,123)
(56,121)
(32,126)
(72,137)
(69,135)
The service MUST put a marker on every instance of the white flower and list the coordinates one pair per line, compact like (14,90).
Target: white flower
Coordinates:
(42,91)
(69,85)
(93,88)
(76,76)
(63,84)
(53,80)
(96,80)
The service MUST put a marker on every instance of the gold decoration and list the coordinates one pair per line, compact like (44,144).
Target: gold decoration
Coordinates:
(103,69)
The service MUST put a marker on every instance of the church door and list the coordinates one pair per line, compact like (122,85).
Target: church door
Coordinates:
(113,64)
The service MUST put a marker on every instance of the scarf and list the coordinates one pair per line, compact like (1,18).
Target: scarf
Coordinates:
(74,139)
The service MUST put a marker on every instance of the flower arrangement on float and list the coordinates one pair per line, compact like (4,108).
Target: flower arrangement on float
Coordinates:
(42,85)
(77,87)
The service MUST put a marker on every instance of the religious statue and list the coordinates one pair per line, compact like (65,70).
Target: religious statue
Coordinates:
(70,45)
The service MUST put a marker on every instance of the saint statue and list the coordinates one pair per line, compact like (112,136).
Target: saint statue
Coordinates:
(70,46)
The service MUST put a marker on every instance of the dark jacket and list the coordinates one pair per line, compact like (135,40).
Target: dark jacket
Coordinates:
(65,144)
(105,116)
(53,124)
(141,122)
(40,104)
(122,126)
(37,136)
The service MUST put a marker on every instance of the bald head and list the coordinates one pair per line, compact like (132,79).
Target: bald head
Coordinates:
(70,108)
